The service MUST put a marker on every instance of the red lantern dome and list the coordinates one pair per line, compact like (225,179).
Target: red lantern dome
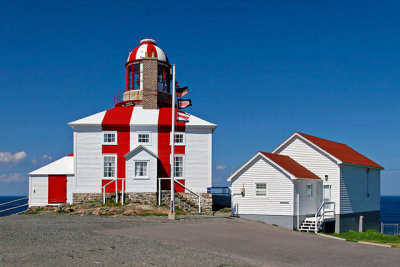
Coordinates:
(147,48)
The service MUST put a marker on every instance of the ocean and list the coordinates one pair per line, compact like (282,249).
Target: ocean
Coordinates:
(390,207)
(4,199)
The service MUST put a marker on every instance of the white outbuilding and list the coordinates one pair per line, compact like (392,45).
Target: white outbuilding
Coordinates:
(309,181)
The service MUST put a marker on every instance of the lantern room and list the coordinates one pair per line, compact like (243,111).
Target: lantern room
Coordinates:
(148,77)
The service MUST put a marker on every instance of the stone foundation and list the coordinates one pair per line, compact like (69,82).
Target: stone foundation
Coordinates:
(142,198)
(80,198)
(184,201)
(188,201)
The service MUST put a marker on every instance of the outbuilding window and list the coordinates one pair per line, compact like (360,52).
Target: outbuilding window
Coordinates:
(309,189)
(141,169)
(110,163)
(110,138)
(261,189)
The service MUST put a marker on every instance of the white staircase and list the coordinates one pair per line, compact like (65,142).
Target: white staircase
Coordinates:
(314,224)
(308,224)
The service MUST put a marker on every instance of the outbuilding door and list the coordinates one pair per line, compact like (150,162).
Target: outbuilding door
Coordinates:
(57,188)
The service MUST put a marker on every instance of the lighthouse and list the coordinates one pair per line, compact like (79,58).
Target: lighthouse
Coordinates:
(126,150)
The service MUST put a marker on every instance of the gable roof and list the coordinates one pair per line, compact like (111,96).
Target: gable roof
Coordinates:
(138,148)
(341,151)
(290,165)
(63,166)
(137,116)
(285,163)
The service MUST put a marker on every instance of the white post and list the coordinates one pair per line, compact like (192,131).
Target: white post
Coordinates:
(159,192)
(199,205)
(171,214)
(116,190)
(123,192)
(104,195)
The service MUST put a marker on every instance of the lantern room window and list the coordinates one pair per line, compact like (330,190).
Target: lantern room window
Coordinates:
(133,77)
(163,79)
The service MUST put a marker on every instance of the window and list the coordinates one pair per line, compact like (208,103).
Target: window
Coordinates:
(109,138)
(309,190)
(178,166)
(143,138)
(261,189)
(179,139)
(110,162)
(141,169)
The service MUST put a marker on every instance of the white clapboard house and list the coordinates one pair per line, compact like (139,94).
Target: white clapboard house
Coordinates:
(306,182)
(128,147)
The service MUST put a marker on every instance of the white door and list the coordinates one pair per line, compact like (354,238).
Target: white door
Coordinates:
(328,196)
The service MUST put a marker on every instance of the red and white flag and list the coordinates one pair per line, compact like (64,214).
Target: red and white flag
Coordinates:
(182,116)
(184,103)
(182,91)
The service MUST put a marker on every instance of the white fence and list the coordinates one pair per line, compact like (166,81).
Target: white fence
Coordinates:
(390,228)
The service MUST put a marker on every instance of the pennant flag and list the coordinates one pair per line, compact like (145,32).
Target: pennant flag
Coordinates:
(182,116)
(184,103)
(181,91)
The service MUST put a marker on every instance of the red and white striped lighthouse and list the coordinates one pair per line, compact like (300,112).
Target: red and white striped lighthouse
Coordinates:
(128,147)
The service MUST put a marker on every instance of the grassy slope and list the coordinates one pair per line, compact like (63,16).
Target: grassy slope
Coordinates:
(370,236)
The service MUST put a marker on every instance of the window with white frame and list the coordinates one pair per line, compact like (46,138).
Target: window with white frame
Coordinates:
(178,166)
(109,138)
(143,138)
(141,169)
(261,189)
(309,189)
(110,163)
(179,138)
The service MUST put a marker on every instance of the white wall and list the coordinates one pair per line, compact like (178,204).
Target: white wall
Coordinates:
(354,188)
(140,184)
(198,159)
(38,190)
(89,162)
(153,130)
(316,162)
(308,205)
(70,188)
(279,189)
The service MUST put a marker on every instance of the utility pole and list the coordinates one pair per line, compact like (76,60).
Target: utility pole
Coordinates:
(171,214)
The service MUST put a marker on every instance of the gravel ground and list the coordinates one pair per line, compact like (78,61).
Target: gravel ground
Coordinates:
(50,239)
(47,239)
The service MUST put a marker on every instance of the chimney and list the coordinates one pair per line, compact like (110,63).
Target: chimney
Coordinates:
(150,83)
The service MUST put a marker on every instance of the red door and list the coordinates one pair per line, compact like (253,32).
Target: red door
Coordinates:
(57,188)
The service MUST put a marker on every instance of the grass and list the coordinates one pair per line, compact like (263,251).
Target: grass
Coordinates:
(225,210)
(35,211)
(370,236)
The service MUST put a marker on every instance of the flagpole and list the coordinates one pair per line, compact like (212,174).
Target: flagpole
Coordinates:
(171,214)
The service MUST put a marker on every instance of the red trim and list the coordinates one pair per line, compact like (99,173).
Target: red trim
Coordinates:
(118,119)
(164,142)
(57,189)
(71,155)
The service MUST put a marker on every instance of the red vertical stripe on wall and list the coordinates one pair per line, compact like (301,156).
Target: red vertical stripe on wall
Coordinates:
(164,145)
(118,119)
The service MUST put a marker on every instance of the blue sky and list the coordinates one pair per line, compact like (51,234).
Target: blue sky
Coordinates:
(261,70)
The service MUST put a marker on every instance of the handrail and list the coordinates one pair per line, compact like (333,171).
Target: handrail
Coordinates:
(191,191)
(16,207)
(14,201)
(116,190)
(322,217)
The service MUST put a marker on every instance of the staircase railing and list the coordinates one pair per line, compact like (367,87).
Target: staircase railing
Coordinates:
(16,207)
(320,215)
(116,190)
(179,183)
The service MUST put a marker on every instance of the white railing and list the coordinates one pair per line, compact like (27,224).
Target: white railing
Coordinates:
(116,190)
(320,215)
(188,189)
(16,207)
